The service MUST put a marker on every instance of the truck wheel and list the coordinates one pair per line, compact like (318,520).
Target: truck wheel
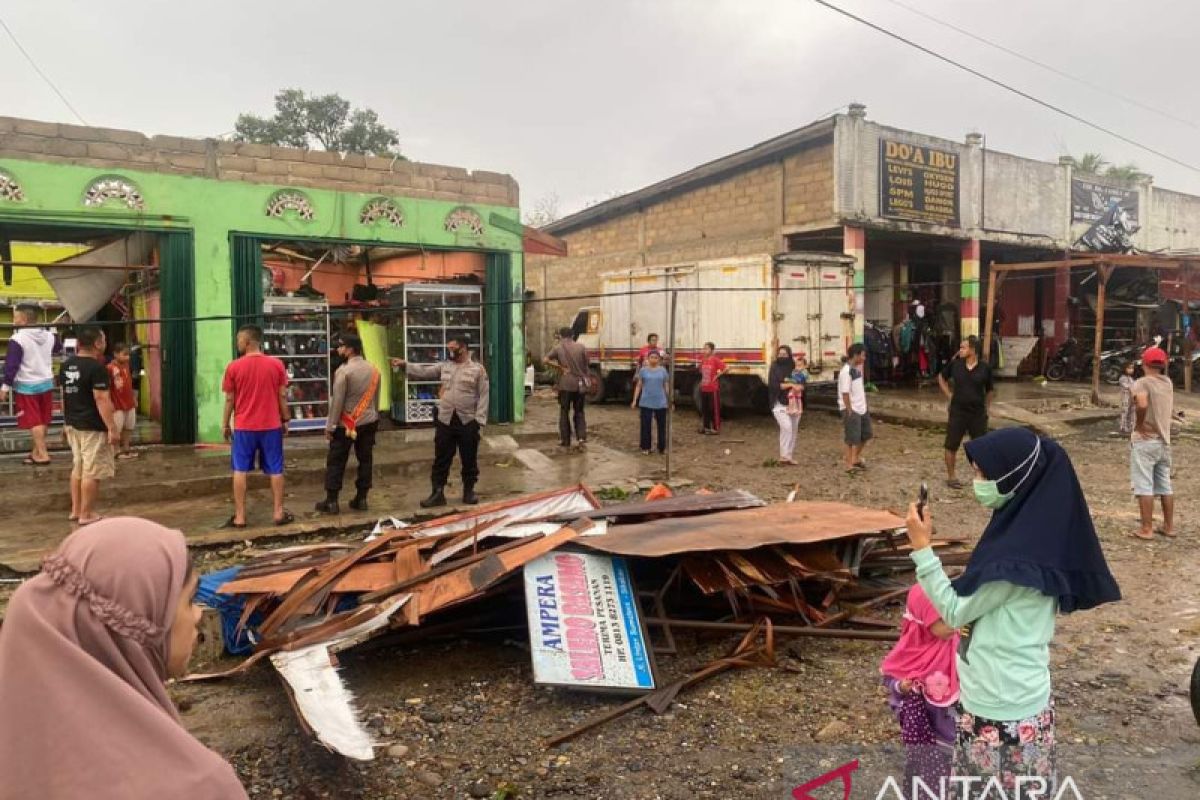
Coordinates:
(598,389)
(696,395)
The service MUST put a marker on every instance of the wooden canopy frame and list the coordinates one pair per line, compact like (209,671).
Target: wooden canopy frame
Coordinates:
(1104,264)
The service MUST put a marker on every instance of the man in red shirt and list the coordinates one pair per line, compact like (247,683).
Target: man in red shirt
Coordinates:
(120,379)
(711,370)
(255,389)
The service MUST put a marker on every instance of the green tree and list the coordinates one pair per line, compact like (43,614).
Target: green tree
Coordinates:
(1099,166)
(1090,164)
(302,120)
(1126,172)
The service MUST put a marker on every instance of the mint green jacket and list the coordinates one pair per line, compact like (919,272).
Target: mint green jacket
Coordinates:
(1004,661)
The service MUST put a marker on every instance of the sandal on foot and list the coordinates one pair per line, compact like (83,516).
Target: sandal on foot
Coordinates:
(81,522)
(1144,537)
(30,461)
(954,483)
(230,523)
(286,519)
(1168,534)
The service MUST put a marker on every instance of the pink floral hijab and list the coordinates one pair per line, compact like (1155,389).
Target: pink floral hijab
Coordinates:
(922,657)
(84,710)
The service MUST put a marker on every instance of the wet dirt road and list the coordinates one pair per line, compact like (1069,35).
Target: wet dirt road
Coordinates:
(463,718)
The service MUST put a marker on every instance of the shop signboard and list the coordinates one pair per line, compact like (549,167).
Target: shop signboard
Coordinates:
(918,183)
(1090,200)
(585,628)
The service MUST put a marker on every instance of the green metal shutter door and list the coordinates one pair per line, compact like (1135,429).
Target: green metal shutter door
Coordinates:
(498,335)
(246,280)
(178,277)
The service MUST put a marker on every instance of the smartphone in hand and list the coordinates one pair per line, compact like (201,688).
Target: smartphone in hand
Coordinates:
(922,499)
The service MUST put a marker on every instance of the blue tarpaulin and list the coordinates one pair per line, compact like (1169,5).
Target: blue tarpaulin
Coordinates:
(230,607)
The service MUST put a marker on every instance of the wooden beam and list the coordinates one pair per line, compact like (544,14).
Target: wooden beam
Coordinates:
(1048,265)
(1187,344)
(1102,274)
(1151,262)
(994,280)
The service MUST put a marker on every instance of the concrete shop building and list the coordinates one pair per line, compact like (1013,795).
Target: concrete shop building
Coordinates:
(922,215)
(210,228)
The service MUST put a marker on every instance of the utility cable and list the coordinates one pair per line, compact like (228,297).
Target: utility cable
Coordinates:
(1008,87)
(350,311)
(1042,65)
(43,75)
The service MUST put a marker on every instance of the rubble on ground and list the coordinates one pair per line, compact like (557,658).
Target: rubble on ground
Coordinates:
(604,588)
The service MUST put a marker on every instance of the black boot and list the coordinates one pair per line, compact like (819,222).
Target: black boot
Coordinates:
(329,505)
(469,496)
(438,498)
(359,503)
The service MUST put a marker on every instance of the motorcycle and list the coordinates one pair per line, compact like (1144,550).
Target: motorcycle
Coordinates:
(1070,362)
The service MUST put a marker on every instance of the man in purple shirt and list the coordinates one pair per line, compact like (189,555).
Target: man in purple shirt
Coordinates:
(29,377)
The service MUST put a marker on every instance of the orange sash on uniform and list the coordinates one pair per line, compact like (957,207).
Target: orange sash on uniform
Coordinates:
(350,421)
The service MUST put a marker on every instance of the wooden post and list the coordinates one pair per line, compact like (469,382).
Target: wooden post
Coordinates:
(671,378)
(1102,273)
(1186,344)
(994,279)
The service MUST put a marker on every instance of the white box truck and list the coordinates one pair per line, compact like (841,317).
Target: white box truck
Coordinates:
(747,306)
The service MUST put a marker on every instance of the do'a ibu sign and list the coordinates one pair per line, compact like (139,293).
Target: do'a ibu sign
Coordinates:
(585,628)
(918,183)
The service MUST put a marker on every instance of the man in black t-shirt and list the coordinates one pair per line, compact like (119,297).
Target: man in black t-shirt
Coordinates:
(88,423)
(969,401)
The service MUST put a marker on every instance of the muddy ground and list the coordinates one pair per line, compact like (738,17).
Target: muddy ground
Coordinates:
(463,719)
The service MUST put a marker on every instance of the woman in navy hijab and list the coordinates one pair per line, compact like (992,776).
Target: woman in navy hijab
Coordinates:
(1038,556)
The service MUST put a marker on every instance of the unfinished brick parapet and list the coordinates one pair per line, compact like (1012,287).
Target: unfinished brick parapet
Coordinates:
(738,214)
(114,149)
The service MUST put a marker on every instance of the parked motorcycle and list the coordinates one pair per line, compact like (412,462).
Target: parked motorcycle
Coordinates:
(1071,361)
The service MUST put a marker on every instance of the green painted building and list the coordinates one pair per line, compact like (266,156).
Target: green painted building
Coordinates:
(218,209)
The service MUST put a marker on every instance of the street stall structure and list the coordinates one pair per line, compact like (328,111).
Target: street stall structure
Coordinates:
(1182,268)
(308,243)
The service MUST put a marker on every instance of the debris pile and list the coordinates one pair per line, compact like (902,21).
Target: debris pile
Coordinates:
(597,582)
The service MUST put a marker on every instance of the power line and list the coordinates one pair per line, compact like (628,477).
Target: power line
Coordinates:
(1008,87)
(351,311)
(38,70)
(1049,68)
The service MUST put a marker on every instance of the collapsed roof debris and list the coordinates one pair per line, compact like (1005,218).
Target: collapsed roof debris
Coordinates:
(596,587)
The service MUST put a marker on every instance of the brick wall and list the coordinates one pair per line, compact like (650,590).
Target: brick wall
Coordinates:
(745,204)
(111,149)
(738,216)
(808,186)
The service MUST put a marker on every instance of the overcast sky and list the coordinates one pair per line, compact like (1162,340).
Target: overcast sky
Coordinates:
(586,99)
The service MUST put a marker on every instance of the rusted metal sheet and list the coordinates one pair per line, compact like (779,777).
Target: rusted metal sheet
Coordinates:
(785,523)
(764,566)
(475,577)
(678,506)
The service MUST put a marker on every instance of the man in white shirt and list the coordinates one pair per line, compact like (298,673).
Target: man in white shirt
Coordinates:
(852,402)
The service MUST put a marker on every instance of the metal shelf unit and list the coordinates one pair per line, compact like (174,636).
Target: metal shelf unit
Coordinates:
(300,339)
(432,315)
